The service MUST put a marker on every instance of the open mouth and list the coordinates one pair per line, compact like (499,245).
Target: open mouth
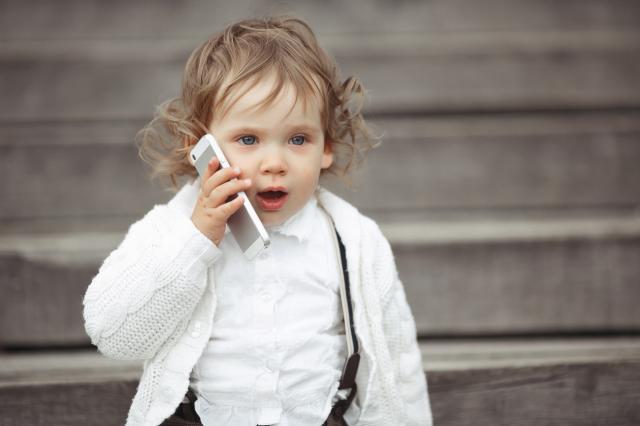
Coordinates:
(271,200)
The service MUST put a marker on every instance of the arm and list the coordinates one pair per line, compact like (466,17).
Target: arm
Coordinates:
(147,288)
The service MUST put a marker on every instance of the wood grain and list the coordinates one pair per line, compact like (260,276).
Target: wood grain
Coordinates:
(522,287)
(77,170)
(491,287)
(564,392)
(70,19)
(503,72)
(562,395)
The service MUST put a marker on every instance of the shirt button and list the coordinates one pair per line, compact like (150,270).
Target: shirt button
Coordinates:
(266,296)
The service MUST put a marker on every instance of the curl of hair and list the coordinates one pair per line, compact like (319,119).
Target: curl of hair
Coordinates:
(245,52)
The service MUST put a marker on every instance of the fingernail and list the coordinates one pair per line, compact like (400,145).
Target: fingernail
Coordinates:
(247,181)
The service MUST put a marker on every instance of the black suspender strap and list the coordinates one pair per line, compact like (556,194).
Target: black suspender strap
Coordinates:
(350,369)
(348,379)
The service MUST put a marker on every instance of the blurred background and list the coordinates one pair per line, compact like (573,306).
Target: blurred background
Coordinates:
(508,184)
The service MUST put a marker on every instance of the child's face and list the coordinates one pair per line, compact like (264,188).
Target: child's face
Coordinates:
(275,146)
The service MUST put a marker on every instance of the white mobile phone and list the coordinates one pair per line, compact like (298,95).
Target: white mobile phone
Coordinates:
(245,225)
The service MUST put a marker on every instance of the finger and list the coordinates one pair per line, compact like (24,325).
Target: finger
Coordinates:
(224,211)
(212,166)
(218,177)
(228,190)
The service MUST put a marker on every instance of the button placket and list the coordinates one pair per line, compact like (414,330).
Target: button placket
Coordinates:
(268,289)
(263,312)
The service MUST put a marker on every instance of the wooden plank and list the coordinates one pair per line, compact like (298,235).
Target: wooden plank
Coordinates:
(166,18)
(454,163)
(561,395)
(521,382)
(95,403)
(569,286)
(64,367)
(498,282)
(75,181)
(42,302)
(504,353)
(499,163)
(478,72)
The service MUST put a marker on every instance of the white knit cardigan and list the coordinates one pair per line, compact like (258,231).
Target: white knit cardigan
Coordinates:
(154,299)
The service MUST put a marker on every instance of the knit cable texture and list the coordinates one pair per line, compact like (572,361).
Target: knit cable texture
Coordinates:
(147,286)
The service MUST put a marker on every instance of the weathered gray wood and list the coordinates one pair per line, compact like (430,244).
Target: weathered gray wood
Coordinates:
(504,353)
(80,180)
(94,403)
(536,277)
(563,395)
(64,366)
(522,383)
(539,287)
(439,73)
(166,18)
(501,162)
(74,170)
(42,302)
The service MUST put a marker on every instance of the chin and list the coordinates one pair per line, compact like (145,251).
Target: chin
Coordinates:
(272,219)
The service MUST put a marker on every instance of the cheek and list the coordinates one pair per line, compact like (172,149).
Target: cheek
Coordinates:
(309,174)
(238,160)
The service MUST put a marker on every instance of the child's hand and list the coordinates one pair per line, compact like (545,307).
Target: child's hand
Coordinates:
(213,207)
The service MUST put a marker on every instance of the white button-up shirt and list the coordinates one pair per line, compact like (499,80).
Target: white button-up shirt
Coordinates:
(277,347)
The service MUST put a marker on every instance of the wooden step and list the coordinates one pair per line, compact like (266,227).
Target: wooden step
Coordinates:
(509,276)
(498,71)
(69,19)
(71,170)
(66,388)
(462,277)
(501,381)
(586,383)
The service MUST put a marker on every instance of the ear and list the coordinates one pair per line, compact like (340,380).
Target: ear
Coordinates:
(327,155)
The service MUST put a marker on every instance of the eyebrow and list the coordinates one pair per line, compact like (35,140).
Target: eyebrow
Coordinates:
(298,127)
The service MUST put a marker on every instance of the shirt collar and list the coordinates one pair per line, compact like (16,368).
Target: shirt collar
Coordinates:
(300,224)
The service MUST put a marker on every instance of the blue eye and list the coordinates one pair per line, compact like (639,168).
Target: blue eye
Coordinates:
(300,138)
(249,139)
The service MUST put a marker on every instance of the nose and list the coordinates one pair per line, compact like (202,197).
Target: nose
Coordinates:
(274,161)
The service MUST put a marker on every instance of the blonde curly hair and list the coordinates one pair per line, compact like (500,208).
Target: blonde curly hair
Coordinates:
(246,51)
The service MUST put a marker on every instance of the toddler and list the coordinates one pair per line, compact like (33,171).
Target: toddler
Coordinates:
(262,341)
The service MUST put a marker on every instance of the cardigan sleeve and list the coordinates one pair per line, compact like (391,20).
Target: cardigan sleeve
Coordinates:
(401,337)
(147,287)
